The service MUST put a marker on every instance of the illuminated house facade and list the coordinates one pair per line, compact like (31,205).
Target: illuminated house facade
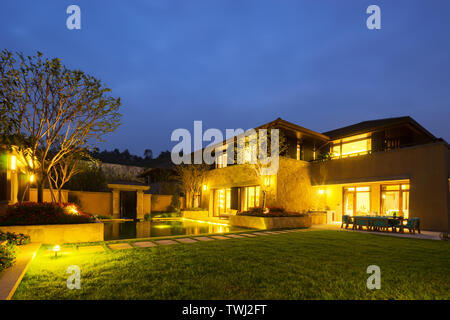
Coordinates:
(378,167)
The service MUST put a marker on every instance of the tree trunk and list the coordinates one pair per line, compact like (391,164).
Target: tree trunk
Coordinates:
(264,201)
(24,192)
(40,191)
(59,195)
(51,190)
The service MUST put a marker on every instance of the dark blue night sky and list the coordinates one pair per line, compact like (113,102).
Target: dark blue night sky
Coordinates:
(241,63)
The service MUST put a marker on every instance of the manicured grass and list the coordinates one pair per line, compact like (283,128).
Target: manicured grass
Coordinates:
(302,265)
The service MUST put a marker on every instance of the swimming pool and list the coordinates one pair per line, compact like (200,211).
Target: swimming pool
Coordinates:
(116,230)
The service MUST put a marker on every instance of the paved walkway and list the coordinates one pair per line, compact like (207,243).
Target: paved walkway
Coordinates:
(175,241)
(429,235)
(11,277)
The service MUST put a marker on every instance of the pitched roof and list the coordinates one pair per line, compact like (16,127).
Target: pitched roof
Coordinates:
(372,125)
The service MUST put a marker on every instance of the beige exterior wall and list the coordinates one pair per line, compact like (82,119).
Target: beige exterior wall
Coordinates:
(47,197)
(99,203)
(147,203)
(160,202)
(426,167)
(60,233)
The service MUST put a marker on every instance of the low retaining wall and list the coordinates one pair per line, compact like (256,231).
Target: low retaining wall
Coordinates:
(60,233)
(270,223)
(319,218)
(197,215)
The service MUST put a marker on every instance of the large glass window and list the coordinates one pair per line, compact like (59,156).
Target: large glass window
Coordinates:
(353,146)
(356,201)
(222,201)
(395,200)
(250,197)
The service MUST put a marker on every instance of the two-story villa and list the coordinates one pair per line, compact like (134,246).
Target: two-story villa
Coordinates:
(383,166)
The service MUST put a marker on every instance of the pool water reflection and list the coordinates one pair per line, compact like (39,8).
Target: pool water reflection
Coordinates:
(161,228)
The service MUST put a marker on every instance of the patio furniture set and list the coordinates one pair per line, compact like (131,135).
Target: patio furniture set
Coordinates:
(378,223)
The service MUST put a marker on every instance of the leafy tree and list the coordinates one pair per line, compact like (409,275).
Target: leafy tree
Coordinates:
(56,109)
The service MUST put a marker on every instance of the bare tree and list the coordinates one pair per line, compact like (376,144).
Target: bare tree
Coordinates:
(267,142)
(58,110)
(69,166)
(191,177)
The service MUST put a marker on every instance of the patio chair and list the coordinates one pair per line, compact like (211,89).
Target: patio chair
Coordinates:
(346,219)
(360,222)
(380,224)
(412,225)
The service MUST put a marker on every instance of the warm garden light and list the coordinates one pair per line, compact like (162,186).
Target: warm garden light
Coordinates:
(72,210)
(13,162)
(56,249)
(205,187)
(32,178)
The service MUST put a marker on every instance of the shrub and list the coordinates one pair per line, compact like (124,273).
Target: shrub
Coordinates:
(15,238)
(175,202)
(194,209)
(273,212)
(32,213)
(7,255)
(99,216)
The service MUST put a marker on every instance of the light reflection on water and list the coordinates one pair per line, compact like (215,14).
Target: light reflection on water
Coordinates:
(160,228)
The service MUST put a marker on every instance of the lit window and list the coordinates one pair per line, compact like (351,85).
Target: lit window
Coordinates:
(221,160)
(352,146)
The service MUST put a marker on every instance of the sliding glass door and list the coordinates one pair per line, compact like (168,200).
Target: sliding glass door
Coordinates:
(395,200)
(356,201)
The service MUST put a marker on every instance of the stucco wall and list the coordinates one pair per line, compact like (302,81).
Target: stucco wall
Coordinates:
(60,233)
(426,166)
(160,202)
(47,195)
(99,203)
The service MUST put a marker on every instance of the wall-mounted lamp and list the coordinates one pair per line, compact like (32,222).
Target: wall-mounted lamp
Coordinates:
(205,187)
(321,191)
(267,181)
(32,178)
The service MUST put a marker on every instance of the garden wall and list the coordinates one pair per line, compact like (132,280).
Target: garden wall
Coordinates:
(99,203)
(47,195)
(160,202)
(60,233)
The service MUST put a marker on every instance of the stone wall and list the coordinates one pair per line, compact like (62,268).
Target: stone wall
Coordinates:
(294,191)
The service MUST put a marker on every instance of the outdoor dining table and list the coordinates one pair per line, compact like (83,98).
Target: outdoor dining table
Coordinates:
(393,221)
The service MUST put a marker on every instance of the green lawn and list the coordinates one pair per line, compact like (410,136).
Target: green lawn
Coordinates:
(303,265)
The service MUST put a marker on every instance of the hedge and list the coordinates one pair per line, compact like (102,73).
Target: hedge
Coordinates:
(32,213)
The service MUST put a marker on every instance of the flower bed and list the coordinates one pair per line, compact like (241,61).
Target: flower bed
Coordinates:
(7,255)
(14,238)
(32,213)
